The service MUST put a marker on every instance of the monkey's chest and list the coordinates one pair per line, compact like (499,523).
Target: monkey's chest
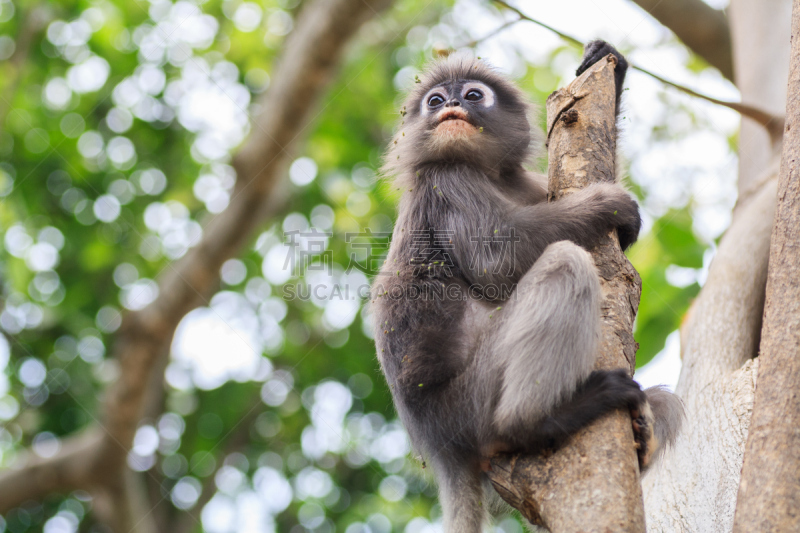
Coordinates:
(430,254)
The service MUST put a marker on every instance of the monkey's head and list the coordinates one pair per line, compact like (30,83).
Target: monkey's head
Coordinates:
(461,111)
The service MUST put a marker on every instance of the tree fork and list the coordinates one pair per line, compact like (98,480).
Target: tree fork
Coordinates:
(592,483)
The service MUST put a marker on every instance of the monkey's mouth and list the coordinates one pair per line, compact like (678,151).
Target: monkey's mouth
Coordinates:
(454,123)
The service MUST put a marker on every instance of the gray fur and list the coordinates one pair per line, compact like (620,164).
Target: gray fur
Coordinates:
(558,341)
(487,351)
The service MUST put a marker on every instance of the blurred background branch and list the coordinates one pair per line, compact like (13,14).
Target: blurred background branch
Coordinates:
(34,19)
(699,26)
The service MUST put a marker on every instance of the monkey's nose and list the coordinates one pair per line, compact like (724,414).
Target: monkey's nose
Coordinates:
(453,103)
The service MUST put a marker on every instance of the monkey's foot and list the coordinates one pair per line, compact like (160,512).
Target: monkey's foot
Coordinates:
(488,452)
(645,440)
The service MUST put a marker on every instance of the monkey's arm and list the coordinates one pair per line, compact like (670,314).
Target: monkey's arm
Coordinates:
(583,217)
(418,338)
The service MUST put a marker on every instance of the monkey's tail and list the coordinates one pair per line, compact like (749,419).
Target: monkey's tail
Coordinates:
(664,413)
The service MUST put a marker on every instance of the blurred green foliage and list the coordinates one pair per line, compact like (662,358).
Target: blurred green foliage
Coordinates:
(670,243)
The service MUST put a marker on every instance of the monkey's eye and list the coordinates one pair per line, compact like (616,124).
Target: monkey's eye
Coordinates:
(435,100)
(474,95)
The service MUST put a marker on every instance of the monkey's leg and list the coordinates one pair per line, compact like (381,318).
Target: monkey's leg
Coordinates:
(460,493)
(545,345)
(545,341)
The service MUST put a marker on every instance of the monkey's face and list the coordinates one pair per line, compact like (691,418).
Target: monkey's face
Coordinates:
(461,112)
(456,111)
(470,121)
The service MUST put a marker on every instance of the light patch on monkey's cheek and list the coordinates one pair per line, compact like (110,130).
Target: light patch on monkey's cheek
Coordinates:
(488,93)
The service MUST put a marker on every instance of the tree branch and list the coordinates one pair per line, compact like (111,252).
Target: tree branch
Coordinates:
(769,493)
(309,60)
(699,26)
(594,480)
(773,124)
(72,468)
(695,487)
(122,505)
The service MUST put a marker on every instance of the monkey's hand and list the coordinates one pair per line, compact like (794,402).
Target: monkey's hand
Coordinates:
(593,52)
(618,209)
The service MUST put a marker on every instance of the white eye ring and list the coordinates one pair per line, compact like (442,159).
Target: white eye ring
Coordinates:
(435,95)
(488,94)
(424,108)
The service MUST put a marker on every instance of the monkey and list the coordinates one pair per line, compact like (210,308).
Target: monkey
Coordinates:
(487,311)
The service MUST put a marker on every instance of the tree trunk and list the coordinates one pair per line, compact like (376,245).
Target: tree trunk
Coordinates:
(591,484)
(769,493)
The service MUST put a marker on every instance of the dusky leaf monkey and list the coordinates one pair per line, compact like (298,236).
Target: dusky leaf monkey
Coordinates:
(487,311)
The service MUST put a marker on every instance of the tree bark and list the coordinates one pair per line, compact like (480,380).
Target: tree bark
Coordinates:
(592,483)
(701,27)
(96,458)
(769,492)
